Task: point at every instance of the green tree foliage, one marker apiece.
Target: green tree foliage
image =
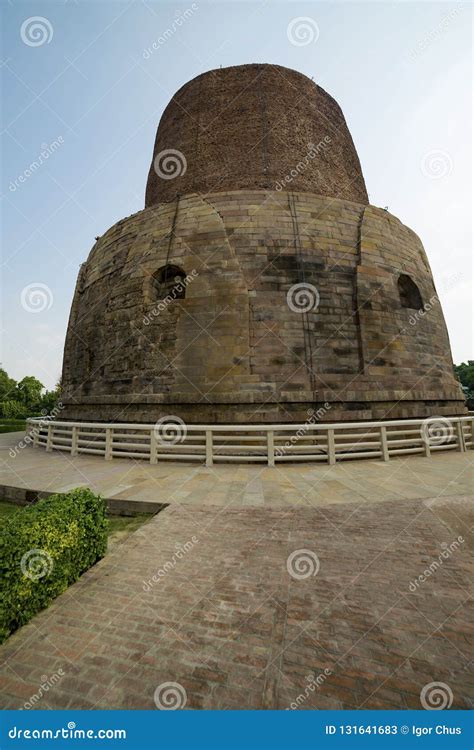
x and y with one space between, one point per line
465 374
26 398
7 386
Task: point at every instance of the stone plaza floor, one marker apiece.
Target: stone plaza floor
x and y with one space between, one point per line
293 588
249 485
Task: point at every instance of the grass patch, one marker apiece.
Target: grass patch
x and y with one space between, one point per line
119 527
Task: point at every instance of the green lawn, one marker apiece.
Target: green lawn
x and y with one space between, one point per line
119 526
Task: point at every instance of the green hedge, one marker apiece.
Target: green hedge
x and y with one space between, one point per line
43 549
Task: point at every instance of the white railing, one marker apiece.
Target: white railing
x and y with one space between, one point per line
271 444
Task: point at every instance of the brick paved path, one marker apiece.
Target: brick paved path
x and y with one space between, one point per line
235 630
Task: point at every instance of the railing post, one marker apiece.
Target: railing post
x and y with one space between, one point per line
460 436
153 451
331 448
36 432
49 439
472 434
426 441
270 448
108 443
74 441
209 457
384 443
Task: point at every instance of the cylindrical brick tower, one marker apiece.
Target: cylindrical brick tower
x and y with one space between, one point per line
257 283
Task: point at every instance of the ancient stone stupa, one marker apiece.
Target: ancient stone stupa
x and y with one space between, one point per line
258 283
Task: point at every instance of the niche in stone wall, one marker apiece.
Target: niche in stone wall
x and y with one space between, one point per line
168 281
409 293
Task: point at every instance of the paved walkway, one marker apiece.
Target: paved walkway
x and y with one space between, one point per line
447 473
233 623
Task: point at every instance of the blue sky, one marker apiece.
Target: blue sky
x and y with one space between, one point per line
90 93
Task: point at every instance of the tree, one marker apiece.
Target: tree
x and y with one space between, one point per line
7 386
465 374
50 399
29 389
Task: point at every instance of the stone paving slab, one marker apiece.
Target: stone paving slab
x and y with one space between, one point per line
232 628
286 485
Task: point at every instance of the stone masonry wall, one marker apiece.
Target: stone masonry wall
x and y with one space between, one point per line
252 126
233 349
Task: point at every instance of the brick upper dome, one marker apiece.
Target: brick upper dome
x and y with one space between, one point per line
254 126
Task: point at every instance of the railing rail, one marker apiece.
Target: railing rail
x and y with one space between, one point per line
271 444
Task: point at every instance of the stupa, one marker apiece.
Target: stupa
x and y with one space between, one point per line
257 283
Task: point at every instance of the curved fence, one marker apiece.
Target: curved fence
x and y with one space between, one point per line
172 439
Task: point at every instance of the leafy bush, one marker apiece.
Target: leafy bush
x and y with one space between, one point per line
44 548
12 410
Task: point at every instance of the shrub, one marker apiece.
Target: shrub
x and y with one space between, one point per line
44 548
13 410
